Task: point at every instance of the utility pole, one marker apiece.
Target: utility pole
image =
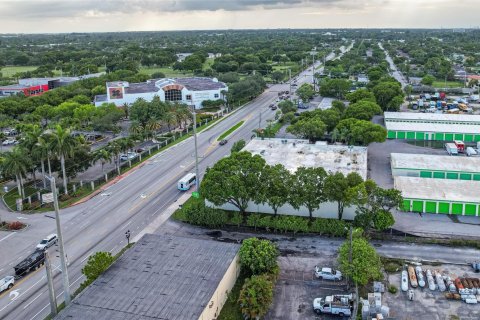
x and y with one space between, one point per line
66 282
51 290
197 179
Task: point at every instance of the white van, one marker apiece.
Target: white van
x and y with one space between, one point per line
470 152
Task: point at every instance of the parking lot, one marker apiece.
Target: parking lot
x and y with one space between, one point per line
297 287
431 305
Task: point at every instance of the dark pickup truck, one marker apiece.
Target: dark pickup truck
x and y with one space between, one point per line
30 263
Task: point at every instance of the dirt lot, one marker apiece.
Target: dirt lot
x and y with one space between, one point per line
431 305
297 287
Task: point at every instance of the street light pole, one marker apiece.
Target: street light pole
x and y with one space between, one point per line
197 179
66 282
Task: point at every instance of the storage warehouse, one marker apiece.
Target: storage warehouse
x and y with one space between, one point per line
295 153
432 126
434 166
161 277
440 195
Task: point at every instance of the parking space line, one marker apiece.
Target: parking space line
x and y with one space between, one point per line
11 234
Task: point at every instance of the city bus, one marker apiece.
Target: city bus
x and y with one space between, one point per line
187 181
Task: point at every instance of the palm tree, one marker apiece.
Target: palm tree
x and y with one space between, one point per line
29 141
169 119
63 146
115 149
102 155
16 163
45 143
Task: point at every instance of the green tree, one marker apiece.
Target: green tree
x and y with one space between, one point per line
360 94
276 183
305 92
385 92
312 129
234 180
361 132
63 146
428 80
97 264
277 76
344 190
238 146
309 186
16 163
365 266
258 256
102 155
287 106
334 88
256 297
362 110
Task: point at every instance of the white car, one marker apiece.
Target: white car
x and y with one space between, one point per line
6 283
49 241
328 274
8 142
128 156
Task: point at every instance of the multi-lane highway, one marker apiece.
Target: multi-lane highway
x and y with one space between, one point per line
130 204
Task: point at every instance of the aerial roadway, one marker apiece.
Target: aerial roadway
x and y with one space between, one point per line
132 204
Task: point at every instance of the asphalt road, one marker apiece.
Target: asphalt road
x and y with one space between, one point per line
393 69
131 204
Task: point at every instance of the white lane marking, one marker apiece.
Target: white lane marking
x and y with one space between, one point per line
22 294
112 249
36 314
32 301
126 224
86 257
15 294
22 218
11 234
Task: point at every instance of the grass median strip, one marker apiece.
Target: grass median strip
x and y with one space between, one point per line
229 131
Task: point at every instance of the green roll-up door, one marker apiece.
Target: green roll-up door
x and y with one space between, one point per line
452 175
448 136
391 134
406 205
439 136
400 135
468 137
439 175
417 206
411 135
430 207
420 136
425 174
476 177
477 138
458 136
470 209
443 207
457 208
465 176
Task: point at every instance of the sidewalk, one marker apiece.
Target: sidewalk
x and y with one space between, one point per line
437 225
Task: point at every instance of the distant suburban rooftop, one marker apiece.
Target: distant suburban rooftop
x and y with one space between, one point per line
294 153
435 162
101 98
142 87
200 84
431 116
432 127
161 277
438 189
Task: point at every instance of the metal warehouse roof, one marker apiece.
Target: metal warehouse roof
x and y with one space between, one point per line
430 116
435 162
438 189
161 277
296 153
433 127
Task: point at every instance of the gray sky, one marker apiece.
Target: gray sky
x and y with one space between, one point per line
39 16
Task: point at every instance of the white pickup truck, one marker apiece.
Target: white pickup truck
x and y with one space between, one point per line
341 305
6 283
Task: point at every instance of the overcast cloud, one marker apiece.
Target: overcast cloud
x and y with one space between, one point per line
130 15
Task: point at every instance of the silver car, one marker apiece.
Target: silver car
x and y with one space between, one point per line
328 274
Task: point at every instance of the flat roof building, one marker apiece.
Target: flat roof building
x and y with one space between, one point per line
457 197
161 277
191 91
295 153
434 166
432 126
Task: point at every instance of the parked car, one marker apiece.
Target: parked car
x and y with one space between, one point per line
273 107
128 156
328 274
49 241
6 283
8 142
223 142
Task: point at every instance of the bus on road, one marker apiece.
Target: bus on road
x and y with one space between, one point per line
186 182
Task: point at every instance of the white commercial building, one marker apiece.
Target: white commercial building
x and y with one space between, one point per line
293 154
191 91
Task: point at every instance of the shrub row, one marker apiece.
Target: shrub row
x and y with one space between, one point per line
14 225
195 212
